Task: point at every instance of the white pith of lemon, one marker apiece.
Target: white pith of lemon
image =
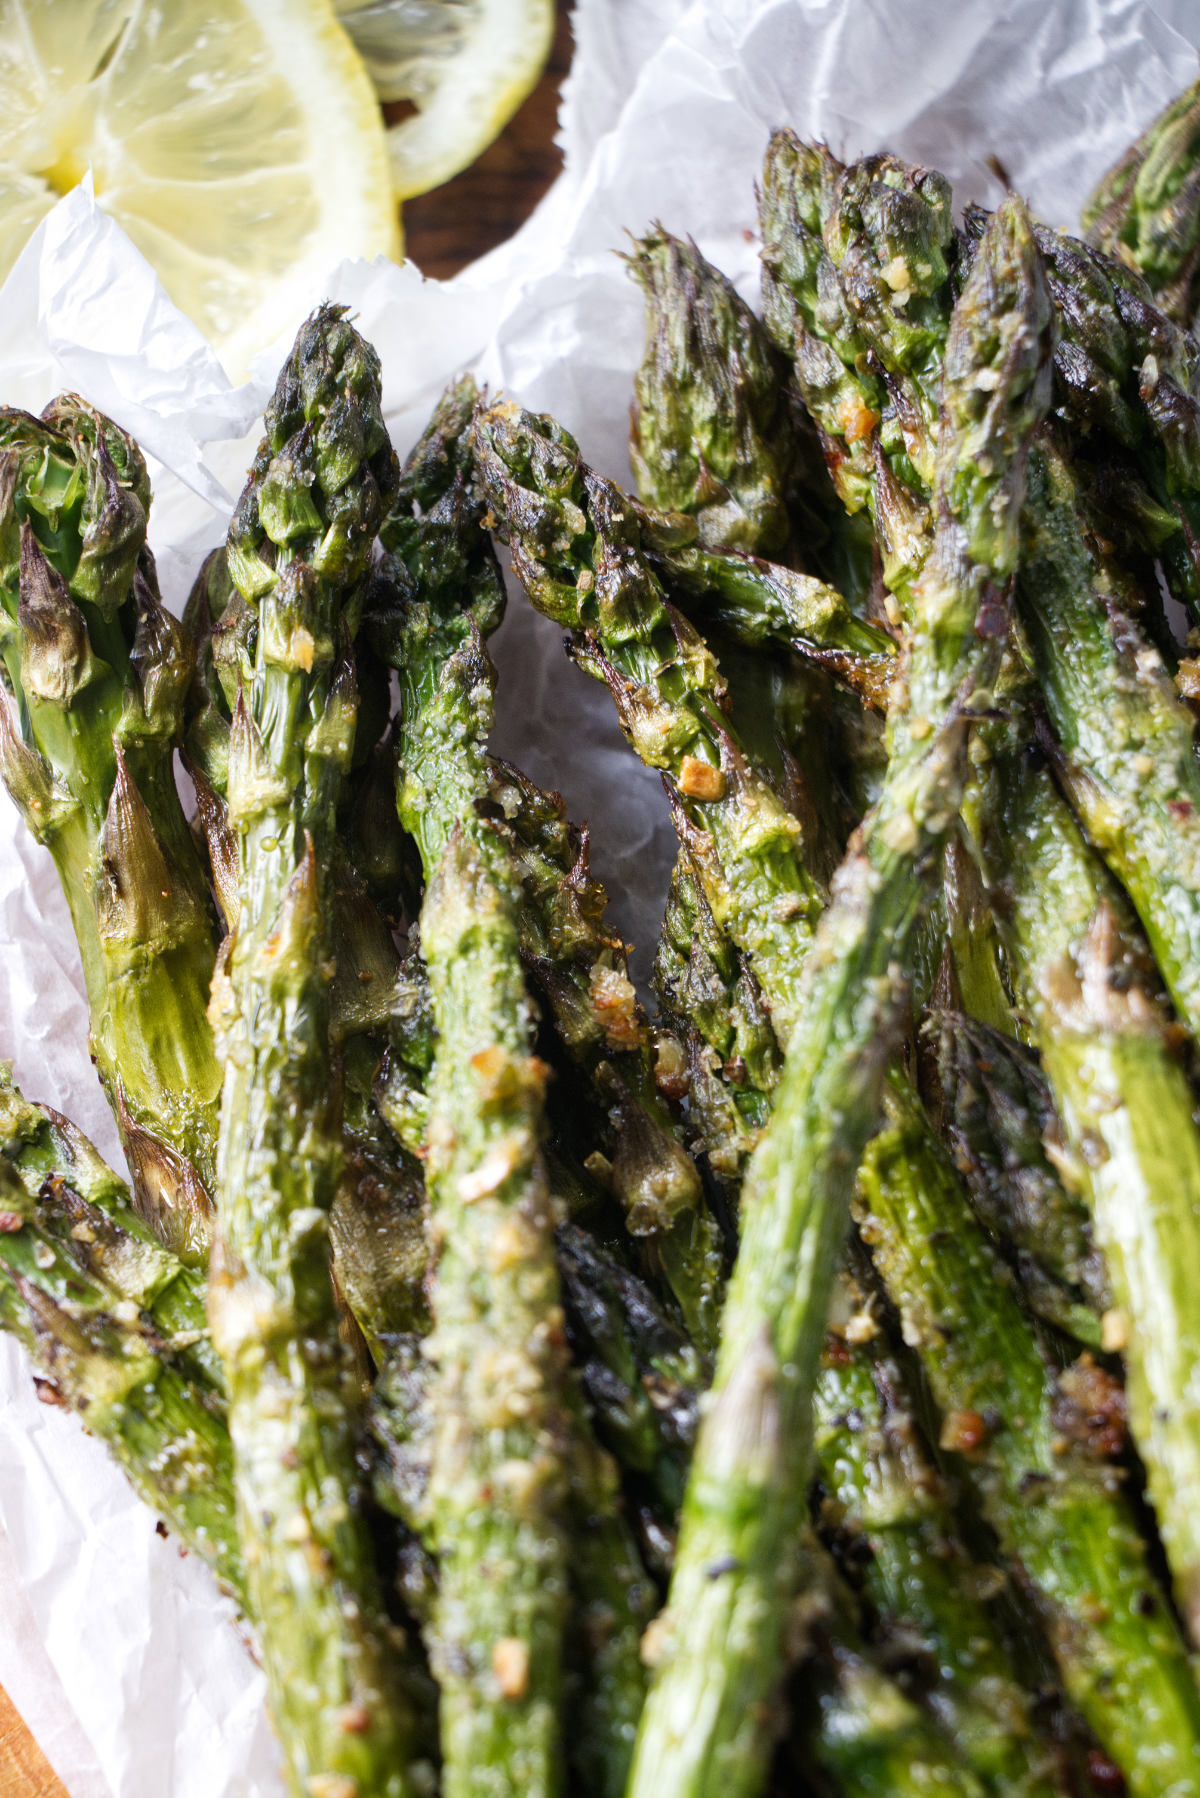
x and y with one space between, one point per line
238 142
466 65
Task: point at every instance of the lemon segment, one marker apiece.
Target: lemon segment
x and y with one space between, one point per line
237 142
466 65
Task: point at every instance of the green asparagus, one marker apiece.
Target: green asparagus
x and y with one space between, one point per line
1036 1449
756 602
740 1514
867 373
1081 979
1003 1129
298 550
1146 209
377 1222
95 670
499 1450
1123 736
883 1493
103 1230
853 1724
1124 382
711 430
638 1371
578 966
732 1056
918 1577
576 546
110 1321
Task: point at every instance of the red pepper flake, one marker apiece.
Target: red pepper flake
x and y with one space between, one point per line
963 1432
1103 1776
835 1352
1089 1408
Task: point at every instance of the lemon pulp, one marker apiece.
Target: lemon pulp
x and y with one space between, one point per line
238 142
465 65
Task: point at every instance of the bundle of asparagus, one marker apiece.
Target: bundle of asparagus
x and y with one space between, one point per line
797 1389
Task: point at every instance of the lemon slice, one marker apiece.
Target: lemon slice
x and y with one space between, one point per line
466 65
238 142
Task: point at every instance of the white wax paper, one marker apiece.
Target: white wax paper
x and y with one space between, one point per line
118 1650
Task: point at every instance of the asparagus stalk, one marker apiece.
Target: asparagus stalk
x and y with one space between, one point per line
378 1226
854 1724
973 969
732 1056
867 370
1093 628
576 547
528 522
115 1326
1080 664
377 1222
613 1603
711 431
1002 1128
704 394
717 435
578 966
1124 736
880 1484
889 231
884 1494
1146 210
1124 380
1035 1449
641 1381
1131 1146
715 443
1078 657
101 1229
896 367
499 1452
499 1424
298 549
117 1329
638 1372
110 1322
809 317
401 1083
612 1598
95 670
756 603
741 1513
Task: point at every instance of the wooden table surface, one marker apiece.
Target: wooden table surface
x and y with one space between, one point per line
24 1769
443 231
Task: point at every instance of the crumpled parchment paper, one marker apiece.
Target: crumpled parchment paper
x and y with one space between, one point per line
118 1650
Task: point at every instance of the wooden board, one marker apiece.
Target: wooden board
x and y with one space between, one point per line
444 230
482 207
24 1770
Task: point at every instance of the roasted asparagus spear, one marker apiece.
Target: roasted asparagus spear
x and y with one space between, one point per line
95 670
741 1507
1146 210
497 1493
298 547
114 1326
